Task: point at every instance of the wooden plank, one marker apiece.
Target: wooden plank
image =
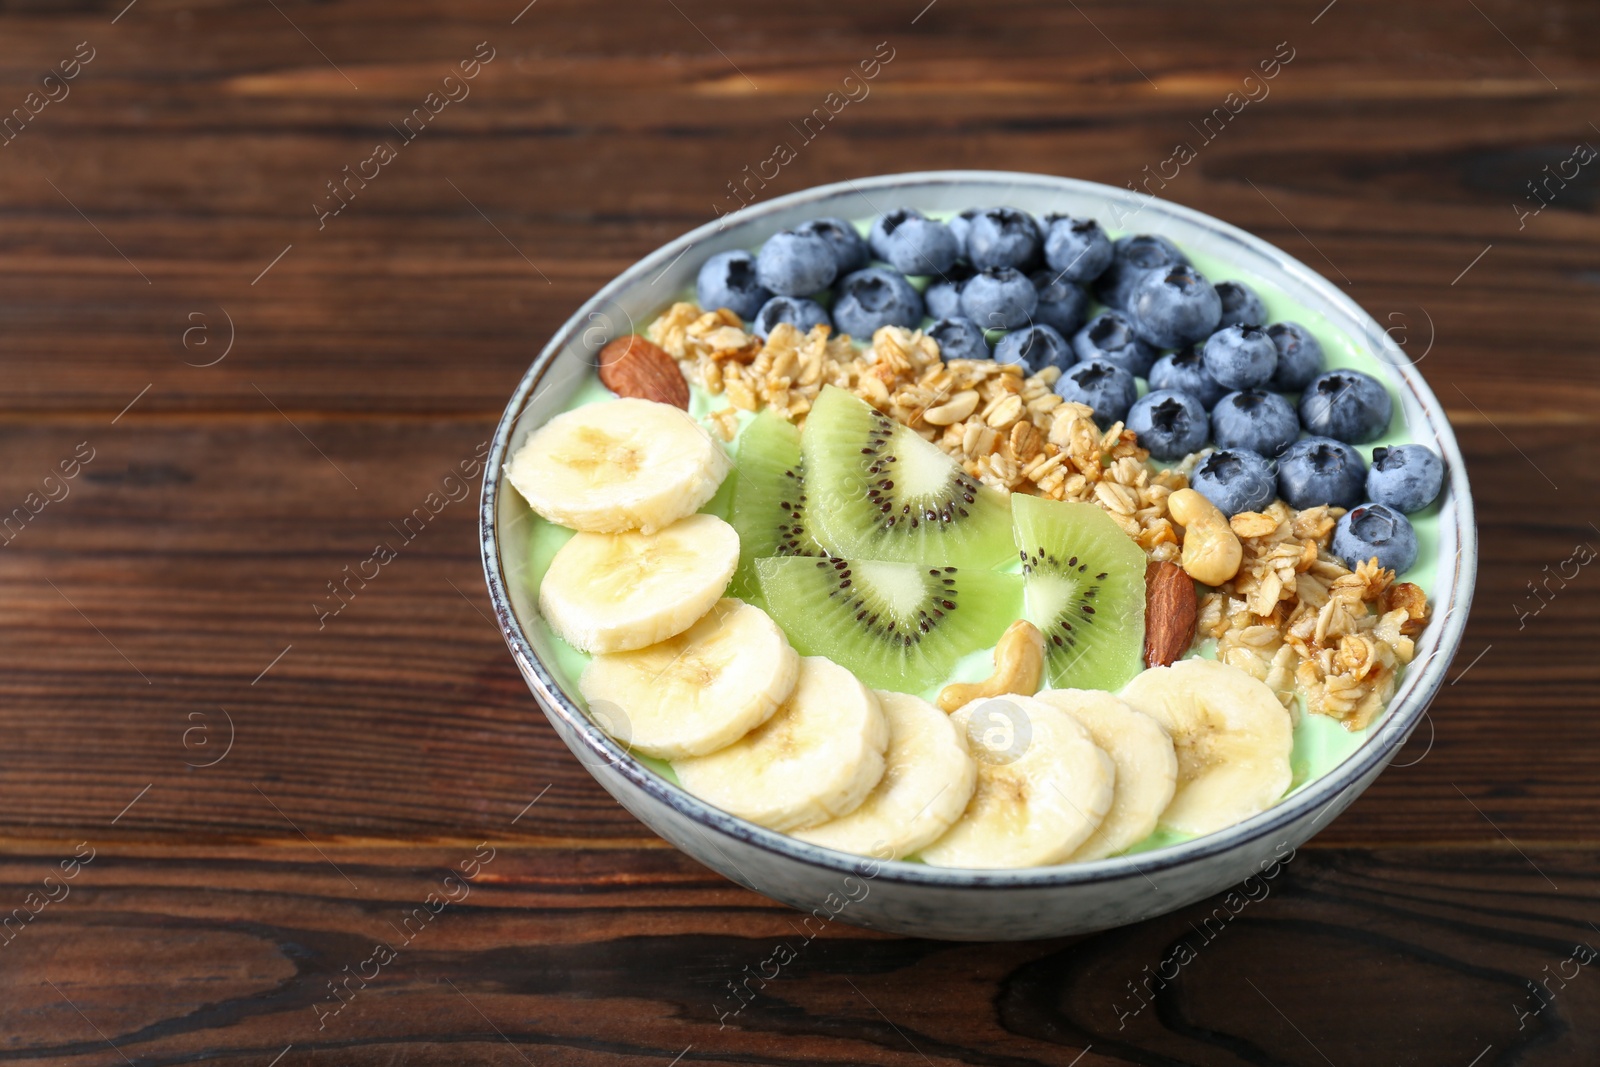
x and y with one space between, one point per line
197 552
165 603
588 956
1396 186
361 324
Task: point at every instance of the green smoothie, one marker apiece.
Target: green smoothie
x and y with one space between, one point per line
1320 743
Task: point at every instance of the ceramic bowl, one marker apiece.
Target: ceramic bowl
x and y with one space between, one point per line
911 898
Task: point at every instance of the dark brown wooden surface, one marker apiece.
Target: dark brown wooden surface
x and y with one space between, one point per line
153 605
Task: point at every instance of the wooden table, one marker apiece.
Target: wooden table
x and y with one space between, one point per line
248 389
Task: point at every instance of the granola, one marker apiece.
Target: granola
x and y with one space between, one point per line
1301 621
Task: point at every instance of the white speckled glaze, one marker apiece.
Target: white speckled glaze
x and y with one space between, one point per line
911 898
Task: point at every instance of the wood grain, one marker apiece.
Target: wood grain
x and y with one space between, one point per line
621 955
162 215
229 534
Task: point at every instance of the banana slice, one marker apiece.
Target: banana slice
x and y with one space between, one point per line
1147 767
616 592
816 759
619 465
927 780
1043 787
699 691
1232 737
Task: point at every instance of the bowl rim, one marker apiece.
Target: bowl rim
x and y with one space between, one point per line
1410 702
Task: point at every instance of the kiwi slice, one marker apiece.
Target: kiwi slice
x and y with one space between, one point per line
769 498
898 626
1084 589
875 490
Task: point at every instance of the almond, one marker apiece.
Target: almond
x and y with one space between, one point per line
633 366
1170 611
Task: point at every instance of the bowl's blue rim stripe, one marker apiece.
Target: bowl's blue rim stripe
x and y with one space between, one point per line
1408 705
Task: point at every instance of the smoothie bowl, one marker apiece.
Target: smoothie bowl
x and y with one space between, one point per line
978 555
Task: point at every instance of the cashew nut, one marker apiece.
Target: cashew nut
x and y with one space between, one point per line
1211 551
1018 667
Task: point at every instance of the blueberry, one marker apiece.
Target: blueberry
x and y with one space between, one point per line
1171 425
959 338
912 243
1132 258
797 311
875 297
796 264
1299 356
1346 405
1003 237
1184 371
1405 477
1077 250
1241 357
1000 298
850 252
1109 336
1265 423
728 280
1320 470
1235 480
1106 387
1373 530
1061 303
1034 348
1240 305
943 295
1174 307
960 226
943 299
